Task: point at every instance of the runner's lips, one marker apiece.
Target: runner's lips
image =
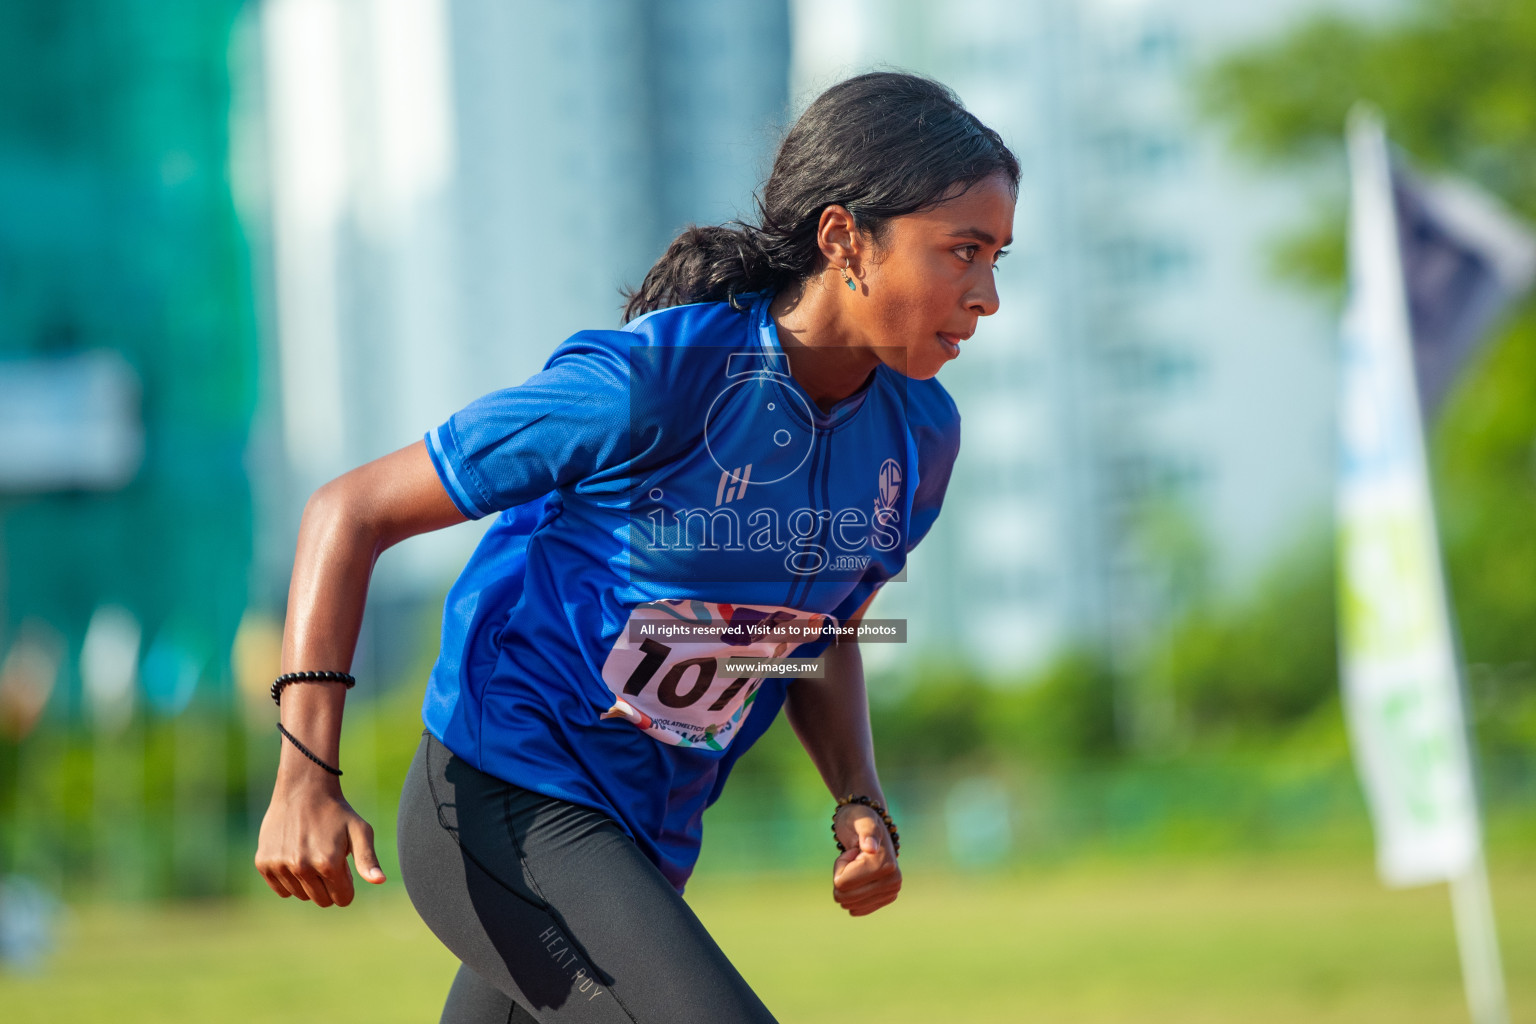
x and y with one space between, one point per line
952 342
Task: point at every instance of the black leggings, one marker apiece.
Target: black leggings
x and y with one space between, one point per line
555 913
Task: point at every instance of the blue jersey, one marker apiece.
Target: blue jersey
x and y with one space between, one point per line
667 496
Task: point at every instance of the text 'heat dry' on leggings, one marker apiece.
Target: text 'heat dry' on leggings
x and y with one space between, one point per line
554 912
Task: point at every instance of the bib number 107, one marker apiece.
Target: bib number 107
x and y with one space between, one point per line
676 690
685 682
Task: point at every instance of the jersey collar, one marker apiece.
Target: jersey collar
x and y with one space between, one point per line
767 333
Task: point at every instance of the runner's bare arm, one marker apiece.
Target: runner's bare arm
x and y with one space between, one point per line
309 828
831 718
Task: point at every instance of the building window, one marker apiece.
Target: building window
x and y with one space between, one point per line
1137 261
1152 368
1139 153
1160 45
1136 477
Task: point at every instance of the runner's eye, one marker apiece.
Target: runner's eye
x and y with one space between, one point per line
968 252
998 258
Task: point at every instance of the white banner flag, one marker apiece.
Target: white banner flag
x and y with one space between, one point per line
1398 658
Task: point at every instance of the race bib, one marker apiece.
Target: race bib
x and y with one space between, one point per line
666 669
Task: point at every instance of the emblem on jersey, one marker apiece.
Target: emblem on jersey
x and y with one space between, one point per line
890 486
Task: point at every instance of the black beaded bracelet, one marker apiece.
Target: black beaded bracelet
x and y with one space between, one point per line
308 677
306 751
864 801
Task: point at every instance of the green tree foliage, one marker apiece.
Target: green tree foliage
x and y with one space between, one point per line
1455 81
1484 464
947 718
1484 461
1063 715
1267 662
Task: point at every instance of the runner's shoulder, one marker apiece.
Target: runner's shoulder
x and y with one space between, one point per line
698 324
929 402
676 349
933 418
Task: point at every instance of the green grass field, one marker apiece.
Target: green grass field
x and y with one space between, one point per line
1253 941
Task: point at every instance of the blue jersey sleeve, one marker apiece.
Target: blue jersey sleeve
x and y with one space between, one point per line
938 444
569 422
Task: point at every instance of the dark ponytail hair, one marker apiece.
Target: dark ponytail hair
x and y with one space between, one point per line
881 145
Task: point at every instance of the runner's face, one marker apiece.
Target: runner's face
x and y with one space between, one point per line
932 279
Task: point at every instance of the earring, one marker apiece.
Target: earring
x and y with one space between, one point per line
848 280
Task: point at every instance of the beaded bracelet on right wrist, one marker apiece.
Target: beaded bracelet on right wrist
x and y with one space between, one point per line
308 677
864 801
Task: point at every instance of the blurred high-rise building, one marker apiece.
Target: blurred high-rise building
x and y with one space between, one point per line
127 356
456 186
1148 418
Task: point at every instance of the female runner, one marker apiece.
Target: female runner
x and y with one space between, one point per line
735 473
